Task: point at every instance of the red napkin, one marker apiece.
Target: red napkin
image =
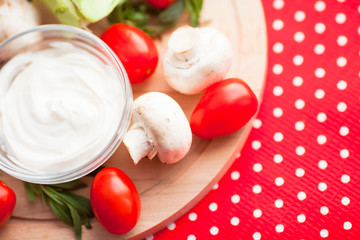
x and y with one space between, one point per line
298 175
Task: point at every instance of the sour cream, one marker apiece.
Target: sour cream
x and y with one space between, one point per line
59 107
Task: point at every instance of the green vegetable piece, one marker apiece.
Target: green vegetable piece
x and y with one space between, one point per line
65 11
94 10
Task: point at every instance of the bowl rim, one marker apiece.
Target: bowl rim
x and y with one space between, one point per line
124 122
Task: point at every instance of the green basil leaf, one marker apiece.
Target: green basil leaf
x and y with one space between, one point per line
172 13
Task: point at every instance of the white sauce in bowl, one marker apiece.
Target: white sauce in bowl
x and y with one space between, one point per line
59 107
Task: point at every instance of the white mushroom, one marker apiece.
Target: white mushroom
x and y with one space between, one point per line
159 127
196 58
16 16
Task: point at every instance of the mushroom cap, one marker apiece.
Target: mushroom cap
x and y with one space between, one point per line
165 124
16 16
196 58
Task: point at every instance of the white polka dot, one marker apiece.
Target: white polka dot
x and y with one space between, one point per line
279 181
300 150
345 178
347 225
342 40
234 221
257 213
151 237
301 218
324 210
277 69
278 137
319 49
279 228
344 153
278 47
345 201
278 4
321 139
238 155
299 37
322 164
301 196
358 30
341 85
340 18
341 1
277 112
297 81
257 167
299 172
322 186
299 16
235 175
235 198
279 203
171 226
344 131
214 230
321 117
256 189
320 28
299 104
320 6
341 107
191 237
298 60
216 186
299 125
278 25
319 94
256 236
192 216
256 144
320 72
257 123
341 61
324 233
278 91
278 158
213 207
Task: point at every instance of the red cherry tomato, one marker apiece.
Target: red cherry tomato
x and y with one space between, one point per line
115 200
225 107
7 203
161 3
134 48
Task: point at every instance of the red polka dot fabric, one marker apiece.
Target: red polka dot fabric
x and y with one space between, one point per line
298 174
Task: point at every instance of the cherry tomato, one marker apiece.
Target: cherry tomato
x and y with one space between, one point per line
225 107
161 3
134 48
115 200
7 202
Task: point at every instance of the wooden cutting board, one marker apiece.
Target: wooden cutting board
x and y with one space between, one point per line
167 191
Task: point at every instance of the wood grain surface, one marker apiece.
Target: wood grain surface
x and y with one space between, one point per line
167 191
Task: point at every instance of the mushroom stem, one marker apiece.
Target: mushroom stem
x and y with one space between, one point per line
138 143
186 45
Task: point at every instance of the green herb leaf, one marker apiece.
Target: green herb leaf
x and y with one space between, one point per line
72 209
30 193
77 222
73 185
152 20
193 8
62 212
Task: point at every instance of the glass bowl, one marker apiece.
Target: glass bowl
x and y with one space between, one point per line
41 38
